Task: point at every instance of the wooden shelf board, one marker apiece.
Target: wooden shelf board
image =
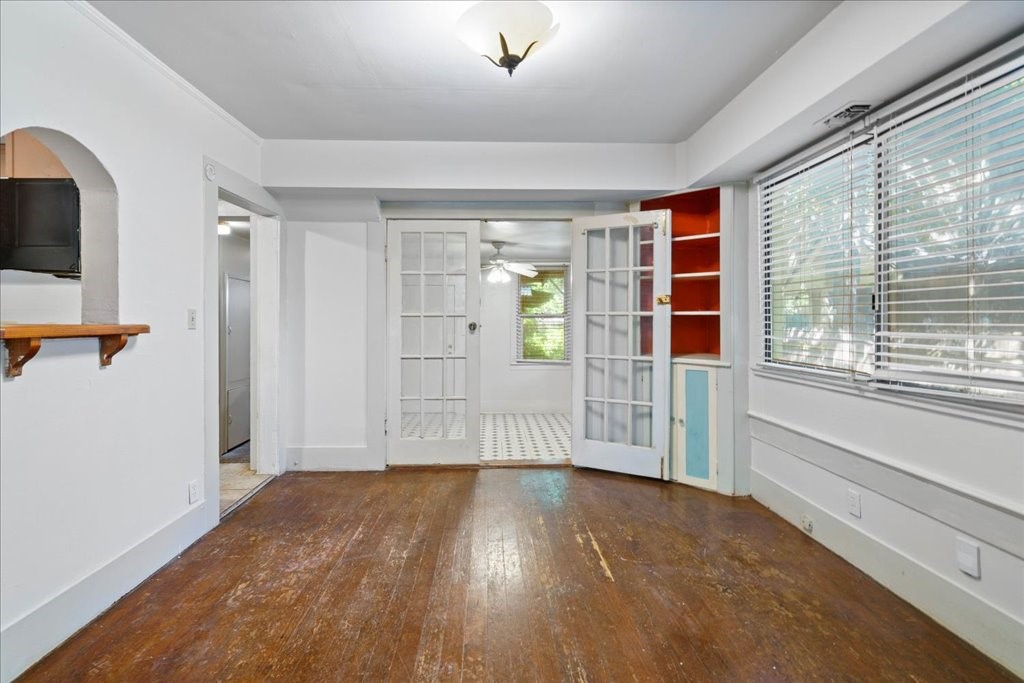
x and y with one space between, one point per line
709 275
688 238
24 341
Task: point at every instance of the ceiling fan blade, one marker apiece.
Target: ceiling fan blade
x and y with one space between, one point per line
522 268
488 267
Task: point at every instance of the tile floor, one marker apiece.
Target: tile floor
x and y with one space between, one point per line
524 436
431 426
237 481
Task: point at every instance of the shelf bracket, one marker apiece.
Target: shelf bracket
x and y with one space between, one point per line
19 352
110 344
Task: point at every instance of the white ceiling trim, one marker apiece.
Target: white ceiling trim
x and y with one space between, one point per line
635 169
116 32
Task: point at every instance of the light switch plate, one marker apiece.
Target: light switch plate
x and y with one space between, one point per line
968 556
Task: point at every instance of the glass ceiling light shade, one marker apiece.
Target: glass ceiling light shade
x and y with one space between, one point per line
506 32
498 275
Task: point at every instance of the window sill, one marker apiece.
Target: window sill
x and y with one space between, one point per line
540 364
1008 416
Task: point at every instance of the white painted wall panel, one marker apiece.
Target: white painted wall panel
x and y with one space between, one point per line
468 165
334 348
39 298
107 465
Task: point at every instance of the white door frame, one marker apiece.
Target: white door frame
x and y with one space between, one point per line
265 275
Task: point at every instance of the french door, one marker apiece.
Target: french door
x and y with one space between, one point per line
620 356
433 342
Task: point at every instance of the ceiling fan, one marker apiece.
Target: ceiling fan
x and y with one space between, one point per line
500 267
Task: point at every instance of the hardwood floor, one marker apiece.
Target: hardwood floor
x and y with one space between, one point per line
514 574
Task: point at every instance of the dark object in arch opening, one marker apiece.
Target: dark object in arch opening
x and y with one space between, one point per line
40 226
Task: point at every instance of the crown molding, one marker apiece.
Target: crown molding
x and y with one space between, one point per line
116 32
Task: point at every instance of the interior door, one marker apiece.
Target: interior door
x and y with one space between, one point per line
237 360
433 342
620 359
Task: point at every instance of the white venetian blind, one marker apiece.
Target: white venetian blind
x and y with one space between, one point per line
817 262
543 315
951 241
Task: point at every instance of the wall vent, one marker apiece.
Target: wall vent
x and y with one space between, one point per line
848 113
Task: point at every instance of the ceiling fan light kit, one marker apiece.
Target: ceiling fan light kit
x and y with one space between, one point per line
506 32
501 268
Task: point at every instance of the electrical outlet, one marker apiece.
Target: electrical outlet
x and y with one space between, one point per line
968 556
853 502
193 492
193 319
807 524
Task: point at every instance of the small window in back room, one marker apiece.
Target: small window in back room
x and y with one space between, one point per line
542 317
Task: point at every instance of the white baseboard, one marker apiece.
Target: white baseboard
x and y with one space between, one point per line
989 629
335 458
26 640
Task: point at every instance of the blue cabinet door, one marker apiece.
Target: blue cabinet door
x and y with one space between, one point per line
698 446
695 438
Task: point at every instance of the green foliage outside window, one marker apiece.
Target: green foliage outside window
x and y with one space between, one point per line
543 316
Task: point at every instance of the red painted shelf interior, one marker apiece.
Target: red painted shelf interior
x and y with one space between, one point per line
694 214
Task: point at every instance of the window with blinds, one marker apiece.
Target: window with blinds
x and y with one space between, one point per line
951 210
898 257
818 262
543 316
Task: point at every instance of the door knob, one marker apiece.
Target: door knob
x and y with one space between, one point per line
472 327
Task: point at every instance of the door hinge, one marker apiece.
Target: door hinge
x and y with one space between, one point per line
385 253
385 426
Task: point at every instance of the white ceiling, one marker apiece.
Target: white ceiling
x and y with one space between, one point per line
540 241
617 71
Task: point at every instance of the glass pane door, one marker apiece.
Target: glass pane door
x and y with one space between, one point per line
434 277
619 374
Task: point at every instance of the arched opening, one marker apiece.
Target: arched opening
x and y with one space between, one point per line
31 292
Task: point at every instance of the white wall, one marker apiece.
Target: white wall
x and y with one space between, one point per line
331 421
233 256
506 387
93 493
39 298
925 477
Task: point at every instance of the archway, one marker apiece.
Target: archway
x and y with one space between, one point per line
99 224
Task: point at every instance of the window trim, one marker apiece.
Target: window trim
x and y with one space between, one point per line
939 93
524 363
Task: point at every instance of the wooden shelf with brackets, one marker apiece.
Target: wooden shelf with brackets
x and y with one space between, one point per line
24 341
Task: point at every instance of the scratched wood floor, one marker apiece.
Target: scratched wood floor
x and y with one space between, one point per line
508 574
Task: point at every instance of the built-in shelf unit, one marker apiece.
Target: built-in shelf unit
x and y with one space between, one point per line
696 272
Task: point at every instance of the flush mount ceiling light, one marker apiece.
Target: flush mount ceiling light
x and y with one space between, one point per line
506 32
